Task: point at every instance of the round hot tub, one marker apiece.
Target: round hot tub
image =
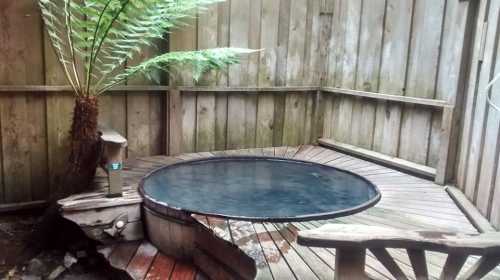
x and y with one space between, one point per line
246 188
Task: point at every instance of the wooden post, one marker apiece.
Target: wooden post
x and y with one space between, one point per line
114 166
350 264
442 170
113 148
174 134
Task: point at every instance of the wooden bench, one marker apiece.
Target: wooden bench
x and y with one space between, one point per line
352 241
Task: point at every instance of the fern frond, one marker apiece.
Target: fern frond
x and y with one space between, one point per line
200 62
100 38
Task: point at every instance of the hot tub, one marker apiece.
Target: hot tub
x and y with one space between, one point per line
260 189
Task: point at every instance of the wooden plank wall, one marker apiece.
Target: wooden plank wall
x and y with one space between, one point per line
478 168
411 48
289 34
387 46
34 126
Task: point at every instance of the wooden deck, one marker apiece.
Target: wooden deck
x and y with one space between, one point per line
141 260
408 202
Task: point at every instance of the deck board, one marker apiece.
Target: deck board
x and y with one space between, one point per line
408 202
141 260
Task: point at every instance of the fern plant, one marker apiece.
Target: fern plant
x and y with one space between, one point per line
96 42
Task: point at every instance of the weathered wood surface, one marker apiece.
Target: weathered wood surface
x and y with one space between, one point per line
353 240
363 236
478 170
360 48
393 48
379 157
113 150
141 261
408 203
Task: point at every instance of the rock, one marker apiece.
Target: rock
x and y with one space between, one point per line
36 267
56 272
69 260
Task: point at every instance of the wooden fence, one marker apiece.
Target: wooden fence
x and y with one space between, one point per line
400 48
388 69
478 168
246 119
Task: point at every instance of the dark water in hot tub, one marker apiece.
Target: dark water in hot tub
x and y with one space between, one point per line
259 188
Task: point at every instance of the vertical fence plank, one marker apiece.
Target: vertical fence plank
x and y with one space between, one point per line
392 74
16 148
347 78
138 124
267 71
470 96
185 39
490 147
238 75
296 43
328 100
37 111
205 122
334 68
189 121
222 78
250 121
294 103
283 39
435 138
269 43
312 60
175 133
422 70
310 117
221 120
251 101
281 65
37 136
370 48
336 44
205 105
294 124
458 39
265 120
156 124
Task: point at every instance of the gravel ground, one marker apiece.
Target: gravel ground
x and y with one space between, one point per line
21 259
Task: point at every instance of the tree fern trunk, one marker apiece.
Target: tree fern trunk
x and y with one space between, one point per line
84 152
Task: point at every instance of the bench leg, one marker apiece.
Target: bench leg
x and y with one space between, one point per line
350 264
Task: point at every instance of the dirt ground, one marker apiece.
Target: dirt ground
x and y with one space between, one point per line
65 258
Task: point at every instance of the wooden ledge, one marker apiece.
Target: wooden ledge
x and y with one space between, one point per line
470 211
390 97
379 157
